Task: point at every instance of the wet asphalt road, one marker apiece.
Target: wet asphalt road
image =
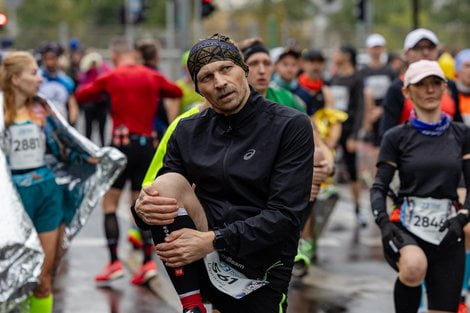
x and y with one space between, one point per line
349 276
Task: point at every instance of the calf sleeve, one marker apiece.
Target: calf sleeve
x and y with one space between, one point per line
186 278
111 229
407 299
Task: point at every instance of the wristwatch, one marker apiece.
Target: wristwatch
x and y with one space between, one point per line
219 242
465 213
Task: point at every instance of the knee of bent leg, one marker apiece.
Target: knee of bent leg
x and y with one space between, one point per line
172 185
412 265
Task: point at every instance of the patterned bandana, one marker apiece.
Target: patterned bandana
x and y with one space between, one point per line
215 48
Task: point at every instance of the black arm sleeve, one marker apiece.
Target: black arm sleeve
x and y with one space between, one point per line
388 155
392 105
288 200
379 190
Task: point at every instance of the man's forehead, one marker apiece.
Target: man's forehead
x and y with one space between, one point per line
213 66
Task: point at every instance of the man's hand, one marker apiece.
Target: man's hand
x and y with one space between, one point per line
320 172
314 190
155 210
185 246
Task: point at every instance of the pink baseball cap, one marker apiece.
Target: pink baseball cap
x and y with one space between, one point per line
419 70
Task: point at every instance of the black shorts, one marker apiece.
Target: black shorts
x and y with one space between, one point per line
265 299
445 272
139 153
348 157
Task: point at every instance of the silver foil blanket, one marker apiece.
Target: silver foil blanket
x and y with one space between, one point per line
83 184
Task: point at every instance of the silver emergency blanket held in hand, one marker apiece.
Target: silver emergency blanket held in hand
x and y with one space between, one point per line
83 184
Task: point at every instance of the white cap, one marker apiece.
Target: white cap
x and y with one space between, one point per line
416 35
275 53
90 59
375 40
419 70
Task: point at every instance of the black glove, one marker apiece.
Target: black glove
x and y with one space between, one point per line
392 236
455 232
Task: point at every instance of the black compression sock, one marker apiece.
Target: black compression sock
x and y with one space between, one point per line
148 245
407 299
186 278
111 229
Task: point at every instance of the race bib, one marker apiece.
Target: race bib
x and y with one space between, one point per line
424 216
229 280
27 147
378 85
341 95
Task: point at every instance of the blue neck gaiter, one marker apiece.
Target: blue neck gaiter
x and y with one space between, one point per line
430 129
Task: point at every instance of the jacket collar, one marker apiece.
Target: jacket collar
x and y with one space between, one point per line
237 120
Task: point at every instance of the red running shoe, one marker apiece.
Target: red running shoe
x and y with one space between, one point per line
146 272
462 308
110 272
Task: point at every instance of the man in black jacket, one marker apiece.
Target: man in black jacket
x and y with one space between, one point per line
250 160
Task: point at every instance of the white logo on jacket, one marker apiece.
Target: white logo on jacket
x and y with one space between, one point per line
249 154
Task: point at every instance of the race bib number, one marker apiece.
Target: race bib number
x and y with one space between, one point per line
424 216
341 95
228 280
378 85
27 147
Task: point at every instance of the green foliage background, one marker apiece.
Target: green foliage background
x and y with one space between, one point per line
95 20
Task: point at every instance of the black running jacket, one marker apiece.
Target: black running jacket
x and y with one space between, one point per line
253 174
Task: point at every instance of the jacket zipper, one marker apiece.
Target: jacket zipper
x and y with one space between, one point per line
227 148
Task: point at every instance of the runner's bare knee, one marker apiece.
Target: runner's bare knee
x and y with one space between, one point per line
412 265
174 185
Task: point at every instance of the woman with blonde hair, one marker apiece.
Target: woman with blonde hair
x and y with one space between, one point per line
28 140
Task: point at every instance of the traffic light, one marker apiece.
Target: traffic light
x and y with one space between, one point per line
361 10
207 8
3 19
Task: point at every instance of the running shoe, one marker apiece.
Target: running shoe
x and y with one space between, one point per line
361 220
146 272
135 237
110 272
303 259
462 308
